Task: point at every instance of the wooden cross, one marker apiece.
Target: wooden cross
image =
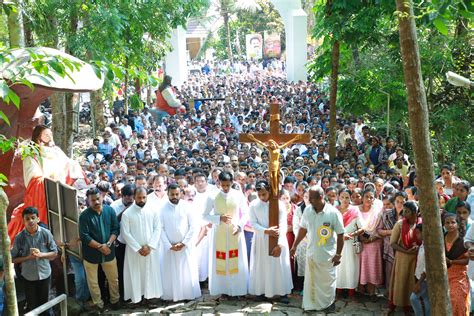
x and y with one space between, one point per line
274 142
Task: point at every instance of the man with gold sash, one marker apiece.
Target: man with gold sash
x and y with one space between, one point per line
323 225
228 212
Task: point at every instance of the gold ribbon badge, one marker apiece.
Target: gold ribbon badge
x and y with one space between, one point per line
324 232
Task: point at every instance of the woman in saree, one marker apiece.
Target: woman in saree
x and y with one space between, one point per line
405 244
456 261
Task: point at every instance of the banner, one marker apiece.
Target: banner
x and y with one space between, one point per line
254 45
272 45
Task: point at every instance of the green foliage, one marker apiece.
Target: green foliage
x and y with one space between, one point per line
245 22
370 63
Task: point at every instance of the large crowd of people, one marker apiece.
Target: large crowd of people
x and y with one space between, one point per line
175 203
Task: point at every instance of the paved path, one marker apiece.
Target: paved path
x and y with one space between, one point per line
209 305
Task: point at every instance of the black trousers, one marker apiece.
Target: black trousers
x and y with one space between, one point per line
37 293
120 256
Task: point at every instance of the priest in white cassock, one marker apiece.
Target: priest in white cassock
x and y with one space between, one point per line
141 228
202 240
269 275
179 271
158 197
323 225
228 213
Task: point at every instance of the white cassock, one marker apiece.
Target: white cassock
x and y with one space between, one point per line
234 284
141 275
202 249
155 202
179 269
269 276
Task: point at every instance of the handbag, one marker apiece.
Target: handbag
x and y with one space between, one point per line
356 244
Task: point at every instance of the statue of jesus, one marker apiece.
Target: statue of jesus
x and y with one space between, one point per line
274 153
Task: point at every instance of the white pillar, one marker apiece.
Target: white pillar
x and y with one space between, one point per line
175 61
296 24
296 47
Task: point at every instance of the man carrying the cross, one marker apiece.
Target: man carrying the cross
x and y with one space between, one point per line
269 275
228 212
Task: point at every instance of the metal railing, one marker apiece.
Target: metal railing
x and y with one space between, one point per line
61 299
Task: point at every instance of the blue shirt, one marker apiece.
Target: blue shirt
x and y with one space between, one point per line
34 269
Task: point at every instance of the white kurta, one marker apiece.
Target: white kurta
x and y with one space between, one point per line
154 202
269 276
179 270
320 273
141 275
229 284
348 270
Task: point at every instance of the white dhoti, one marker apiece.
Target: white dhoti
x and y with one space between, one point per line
319 285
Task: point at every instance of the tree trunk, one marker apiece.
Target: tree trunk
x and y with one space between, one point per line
28 32
125 88
71 100
333 99
97 104
227 29
58 109
436 272
15 27
148 95
62 125
62 106
10 293
355 56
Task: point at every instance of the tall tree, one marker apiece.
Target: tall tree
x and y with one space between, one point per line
15 25
226 9
333 99
12 306
436 272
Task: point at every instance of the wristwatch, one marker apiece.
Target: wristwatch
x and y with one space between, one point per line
108 244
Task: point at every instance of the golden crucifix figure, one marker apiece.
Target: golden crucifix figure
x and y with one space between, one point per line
274 155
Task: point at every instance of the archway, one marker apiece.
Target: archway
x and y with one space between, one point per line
296 24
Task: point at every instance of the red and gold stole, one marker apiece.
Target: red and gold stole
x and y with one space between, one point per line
227 245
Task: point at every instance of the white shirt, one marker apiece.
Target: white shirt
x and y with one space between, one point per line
327 223
420 262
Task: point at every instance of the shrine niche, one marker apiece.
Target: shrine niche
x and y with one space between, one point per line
27 116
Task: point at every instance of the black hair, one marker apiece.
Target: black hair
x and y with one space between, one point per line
400 193
412 206
92 191
139 189
30 210
364 192
173 186
461 223
262 184
128 189
465 205
226 176
289 179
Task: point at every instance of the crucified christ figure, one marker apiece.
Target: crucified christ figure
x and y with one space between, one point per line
274 152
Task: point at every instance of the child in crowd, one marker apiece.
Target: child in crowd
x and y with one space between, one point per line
420 292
